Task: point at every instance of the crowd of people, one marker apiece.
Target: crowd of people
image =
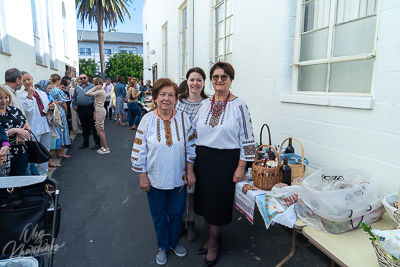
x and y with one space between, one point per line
198 141
50 109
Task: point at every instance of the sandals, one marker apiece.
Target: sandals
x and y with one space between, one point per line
123 124
102 151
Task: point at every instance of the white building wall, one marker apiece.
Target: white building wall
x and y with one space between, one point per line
21 41
263 48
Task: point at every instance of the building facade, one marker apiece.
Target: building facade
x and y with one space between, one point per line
41 39
326 72
114 42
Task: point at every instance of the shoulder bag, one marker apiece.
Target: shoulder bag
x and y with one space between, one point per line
37 153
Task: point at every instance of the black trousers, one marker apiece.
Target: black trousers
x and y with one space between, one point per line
106 104
85 114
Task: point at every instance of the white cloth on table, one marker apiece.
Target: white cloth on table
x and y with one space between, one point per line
38 123
245 198
226 131
162 155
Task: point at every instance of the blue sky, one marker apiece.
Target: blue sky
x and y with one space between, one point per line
134 25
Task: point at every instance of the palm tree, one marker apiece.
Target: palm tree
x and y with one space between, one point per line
102 11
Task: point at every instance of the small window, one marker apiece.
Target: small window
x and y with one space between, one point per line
107 52
184 43
85 51
65 30
50 34
3 33
336 44
223 30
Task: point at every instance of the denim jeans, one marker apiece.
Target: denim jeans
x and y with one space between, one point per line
133 108
19 164
166 209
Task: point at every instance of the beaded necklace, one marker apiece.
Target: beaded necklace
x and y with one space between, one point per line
217 111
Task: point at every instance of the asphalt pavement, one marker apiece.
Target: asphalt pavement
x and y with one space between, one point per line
105 219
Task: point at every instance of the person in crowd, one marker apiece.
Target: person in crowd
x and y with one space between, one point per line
83 104
224 144
12 119
68 73
100 96
161 133
46 86
133 108
120 97
36 105
137 86
5 147
13 83
107 87
64 86
183 87
76 124
60 100
146 90
112 99
189 102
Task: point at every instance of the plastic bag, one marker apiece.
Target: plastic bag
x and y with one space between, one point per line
337 200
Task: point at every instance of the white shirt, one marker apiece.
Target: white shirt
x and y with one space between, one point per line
15 101
38 123
231 129
108 89
161 157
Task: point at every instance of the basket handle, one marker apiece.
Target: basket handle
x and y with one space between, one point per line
270 147
269 134
301 146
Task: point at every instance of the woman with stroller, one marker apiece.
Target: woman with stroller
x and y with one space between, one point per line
15 122
158 155
189 102
99 98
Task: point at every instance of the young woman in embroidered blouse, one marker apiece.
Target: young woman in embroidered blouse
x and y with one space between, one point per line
158 156
99 98
224 143
189 102
15 123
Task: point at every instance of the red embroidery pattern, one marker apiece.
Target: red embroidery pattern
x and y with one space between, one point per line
168 134
177 131
158 130
138 141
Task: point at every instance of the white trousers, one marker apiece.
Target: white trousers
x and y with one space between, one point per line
44 139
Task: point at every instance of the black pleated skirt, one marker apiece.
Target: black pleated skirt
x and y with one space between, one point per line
215 189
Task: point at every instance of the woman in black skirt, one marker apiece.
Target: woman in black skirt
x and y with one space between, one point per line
224 143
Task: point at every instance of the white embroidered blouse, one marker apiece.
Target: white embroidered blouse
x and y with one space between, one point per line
158 149
225 130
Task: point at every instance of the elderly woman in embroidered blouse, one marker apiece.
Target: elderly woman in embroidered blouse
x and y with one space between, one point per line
189 102
224 143
158 155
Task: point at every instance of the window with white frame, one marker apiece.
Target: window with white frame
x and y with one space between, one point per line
50 34
184 43
37 34
128 49
3 33
223 31
107 52
85 51
165 47
336 45
65 30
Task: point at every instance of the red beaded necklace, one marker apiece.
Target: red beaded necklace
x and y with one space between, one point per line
218 110
162 117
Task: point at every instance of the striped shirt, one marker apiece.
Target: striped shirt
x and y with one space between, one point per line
190 108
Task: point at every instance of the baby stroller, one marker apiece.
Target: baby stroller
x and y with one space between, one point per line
29 220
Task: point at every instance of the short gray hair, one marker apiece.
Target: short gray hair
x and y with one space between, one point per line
12 75
25 72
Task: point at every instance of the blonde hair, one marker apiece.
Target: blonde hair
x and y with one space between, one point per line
3 89
55 77
97 81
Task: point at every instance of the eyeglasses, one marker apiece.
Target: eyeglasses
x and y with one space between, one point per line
82 78
223 77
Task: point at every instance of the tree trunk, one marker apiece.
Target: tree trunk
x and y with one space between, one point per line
100 18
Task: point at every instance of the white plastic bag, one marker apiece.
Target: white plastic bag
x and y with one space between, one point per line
337 200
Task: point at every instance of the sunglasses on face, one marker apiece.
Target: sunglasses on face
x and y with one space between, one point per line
223 77
82 78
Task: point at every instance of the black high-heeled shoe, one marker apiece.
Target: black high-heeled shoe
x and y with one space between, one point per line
202 250
208 263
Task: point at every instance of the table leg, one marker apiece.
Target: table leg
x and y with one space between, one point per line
294 249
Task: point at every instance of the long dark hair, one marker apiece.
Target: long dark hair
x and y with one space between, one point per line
203 74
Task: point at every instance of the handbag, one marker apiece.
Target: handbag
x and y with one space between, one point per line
37 153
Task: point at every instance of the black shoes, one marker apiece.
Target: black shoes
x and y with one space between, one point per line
208 263
83 146
202 250
96 146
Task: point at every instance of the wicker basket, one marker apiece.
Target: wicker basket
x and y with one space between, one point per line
396 219
265 178
298 170
381 256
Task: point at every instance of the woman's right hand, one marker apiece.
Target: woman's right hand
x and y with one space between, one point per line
144 182
23 133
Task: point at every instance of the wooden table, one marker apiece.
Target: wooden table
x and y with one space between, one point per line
352 248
